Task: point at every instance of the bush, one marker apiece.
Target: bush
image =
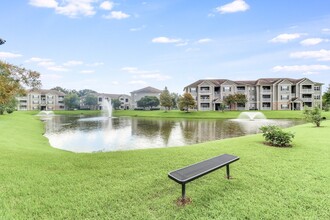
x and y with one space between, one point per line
313 115
274 136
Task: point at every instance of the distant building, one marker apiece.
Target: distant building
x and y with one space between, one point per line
261 94
147 91
125 100
41 99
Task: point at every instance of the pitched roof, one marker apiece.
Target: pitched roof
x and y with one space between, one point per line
46 91
148 89
112 96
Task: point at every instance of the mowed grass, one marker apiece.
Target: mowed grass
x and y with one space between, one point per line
210 114
40 182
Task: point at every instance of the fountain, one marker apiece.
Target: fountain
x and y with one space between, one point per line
251 115
107 107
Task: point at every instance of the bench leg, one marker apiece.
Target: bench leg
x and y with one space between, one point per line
227 171
183 191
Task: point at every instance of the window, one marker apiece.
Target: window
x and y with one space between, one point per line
285 88
284 106
317 88
35 96
100 99
226 88
284 97
192 89
126 100
205 105
318 97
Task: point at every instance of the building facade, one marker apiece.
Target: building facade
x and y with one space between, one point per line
147 91
41 99
125 100
261 94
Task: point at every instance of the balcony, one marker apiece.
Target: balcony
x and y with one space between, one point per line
266 99
307 91
205 91
204 100
205 109
307 99
267 91
241 91
265 108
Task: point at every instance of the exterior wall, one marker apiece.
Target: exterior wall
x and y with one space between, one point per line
279 95
136 96
125 100
40 101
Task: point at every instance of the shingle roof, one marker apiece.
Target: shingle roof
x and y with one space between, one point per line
46 91
112 96
148 89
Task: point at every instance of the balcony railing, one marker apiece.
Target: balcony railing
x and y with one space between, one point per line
205 91
205 108
268 91
307 99
241 91
307 91
265 108
266 99
204 100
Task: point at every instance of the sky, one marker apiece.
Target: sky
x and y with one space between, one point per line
123 45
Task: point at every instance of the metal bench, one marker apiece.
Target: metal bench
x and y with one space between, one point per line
192 172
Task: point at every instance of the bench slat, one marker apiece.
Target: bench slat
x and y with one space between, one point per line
189 173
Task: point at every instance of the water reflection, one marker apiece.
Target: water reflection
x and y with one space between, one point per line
84 134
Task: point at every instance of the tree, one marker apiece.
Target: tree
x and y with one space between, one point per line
148 102
186 102
313 115
85 92
115 103
90 100
12 80
326 98
166 99
233 100
71 101
60 89
175 98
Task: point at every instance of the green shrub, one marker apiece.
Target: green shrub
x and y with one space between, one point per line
275 136
313 115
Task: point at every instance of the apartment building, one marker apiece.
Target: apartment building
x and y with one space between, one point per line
261 94
41 99
147 91
125 100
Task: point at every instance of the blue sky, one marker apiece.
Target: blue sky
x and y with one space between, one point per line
123 45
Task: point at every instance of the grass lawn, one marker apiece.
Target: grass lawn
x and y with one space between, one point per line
210 114
40 182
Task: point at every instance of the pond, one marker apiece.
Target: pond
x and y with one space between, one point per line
102 134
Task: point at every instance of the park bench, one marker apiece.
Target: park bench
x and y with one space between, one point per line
192 172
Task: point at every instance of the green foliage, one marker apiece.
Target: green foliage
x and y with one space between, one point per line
85 92
166 99
186 102
313 115
115 103
71 101
275 136
326 99
9 107
234 99
13 79
175 99
60 89
90 100
148 102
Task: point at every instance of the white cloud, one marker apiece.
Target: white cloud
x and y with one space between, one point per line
235 6
4 55
300 68
138 28
116 15
87 71
46 63
310 73
44 3
312 41
166 40
70 8
284 38
50 77
191 49
145 74
204 40
73 63
114 82
107 5
320 55
326 29
37 59
137 82
57 68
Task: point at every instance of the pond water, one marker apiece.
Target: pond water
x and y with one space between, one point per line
101 134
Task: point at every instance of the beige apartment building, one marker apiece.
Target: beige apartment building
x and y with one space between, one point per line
41 99
261 94
125 100
147 91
